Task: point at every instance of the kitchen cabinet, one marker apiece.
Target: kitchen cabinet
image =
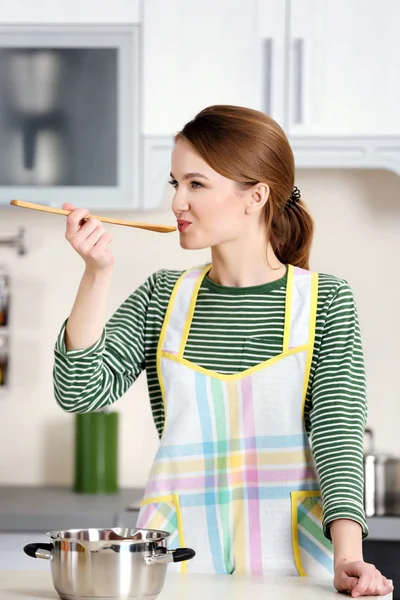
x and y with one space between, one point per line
344 61
26 12
69 115
102 99
326 70
385 555
225 52
319 67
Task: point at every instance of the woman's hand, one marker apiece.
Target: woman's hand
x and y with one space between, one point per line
89 239
360 579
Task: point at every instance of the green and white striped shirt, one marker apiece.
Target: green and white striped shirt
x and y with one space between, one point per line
232 330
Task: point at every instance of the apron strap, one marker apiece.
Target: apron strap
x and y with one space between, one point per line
301 308
179 315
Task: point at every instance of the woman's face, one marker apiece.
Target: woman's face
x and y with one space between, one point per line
210 208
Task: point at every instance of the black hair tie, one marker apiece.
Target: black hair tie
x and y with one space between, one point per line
294 198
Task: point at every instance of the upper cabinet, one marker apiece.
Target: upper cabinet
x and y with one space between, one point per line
91 92
319 67
326 70
344 58
69 115
224 52
64 12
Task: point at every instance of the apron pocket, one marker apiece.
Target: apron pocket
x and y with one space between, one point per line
159 513
313 552
164 514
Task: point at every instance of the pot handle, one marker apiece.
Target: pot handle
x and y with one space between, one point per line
39 551
181 554
162 555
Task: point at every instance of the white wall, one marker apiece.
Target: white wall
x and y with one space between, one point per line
357 237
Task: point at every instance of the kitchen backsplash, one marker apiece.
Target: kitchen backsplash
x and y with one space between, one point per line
357 237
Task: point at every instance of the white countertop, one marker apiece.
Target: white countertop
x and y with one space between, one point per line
37 585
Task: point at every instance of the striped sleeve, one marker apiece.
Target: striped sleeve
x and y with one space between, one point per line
93 378
338 412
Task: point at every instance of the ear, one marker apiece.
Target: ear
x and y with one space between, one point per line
258 197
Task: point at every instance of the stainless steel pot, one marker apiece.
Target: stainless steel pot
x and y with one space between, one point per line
108 563
381 481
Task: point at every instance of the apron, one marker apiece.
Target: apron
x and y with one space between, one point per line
234 477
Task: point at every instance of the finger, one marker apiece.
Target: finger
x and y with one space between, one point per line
348 583
387 581
378 585
363 584
74 221
387 586
101 246
84 232
353 583
91 240
68 206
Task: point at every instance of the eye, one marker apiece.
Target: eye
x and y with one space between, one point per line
196 184
173 182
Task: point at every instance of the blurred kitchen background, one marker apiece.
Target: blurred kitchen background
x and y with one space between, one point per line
91 94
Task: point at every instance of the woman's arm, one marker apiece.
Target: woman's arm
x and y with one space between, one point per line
338 411
352 574
347 541
86 321
91 378
337 419
95 365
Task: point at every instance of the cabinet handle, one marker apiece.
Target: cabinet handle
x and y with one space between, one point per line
298 64
267 75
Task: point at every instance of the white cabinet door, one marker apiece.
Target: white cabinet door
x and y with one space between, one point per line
30 12
69 116
268 71
344 67
213 52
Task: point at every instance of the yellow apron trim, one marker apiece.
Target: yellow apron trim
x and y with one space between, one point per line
241 374
173 498
311 336
288 308
192 306
295 497
163 333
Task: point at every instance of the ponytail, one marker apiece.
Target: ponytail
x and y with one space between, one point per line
290 232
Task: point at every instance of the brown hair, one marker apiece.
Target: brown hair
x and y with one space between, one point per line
247 146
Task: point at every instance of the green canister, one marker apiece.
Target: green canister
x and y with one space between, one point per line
96 453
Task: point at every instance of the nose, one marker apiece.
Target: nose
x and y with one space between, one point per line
179 202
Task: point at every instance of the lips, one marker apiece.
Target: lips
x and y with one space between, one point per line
183 225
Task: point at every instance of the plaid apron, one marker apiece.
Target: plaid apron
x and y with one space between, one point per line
234 477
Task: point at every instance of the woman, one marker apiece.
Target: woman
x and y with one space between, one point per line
250 360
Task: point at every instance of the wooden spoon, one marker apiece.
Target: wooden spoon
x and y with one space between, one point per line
60 211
